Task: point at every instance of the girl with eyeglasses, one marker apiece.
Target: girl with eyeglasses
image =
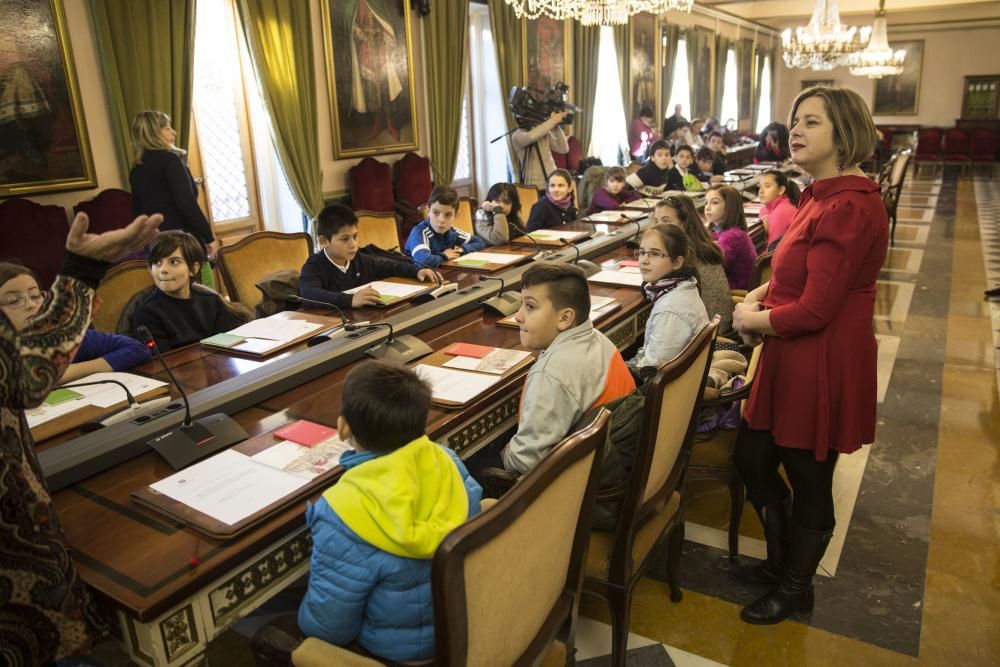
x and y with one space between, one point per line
670 282
20 300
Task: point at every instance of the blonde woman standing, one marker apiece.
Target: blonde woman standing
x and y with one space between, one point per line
162 183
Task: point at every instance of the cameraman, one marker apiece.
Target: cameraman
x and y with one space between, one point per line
536 146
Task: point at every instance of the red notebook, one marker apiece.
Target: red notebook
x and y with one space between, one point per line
305 433
629 262
469 350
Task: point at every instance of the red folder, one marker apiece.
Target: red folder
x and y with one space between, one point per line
305 433
469 350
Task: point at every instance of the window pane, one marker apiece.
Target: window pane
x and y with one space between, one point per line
462 163
216 77
608 136
730 92
680 89
764 115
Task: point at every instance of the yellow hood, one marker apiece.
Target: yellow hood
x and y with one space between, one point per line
404 502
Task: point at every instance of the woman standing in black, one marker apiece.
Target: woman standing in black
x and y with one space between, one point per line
162 183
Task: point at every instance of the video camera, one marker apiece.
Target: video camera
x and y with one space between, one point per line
533 107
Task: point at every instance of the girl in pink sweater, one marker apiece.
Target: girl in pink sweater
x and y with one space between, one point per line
724 215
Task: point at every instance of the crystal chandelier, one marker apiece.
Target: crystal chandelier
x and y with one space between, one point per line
824 43
595 12
878 59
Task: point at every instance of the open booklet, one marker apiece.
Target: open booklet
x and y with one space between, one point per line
65 400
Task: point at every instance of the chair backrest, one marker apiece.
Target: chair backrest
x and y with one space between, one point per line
481 616
673 400
371 186
463 217
633 167
758 235
574 155
35 236
379 229
244 263
109 210
527 195
120 284
412 182
560 160
929 141
751 371
902 160
955 142
984 143
761 271
592 179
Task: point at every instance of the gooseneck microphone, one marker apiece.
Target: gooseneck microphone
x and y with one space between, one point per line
539 253
401 349
504 303
589 268
128 395
347 324
193 440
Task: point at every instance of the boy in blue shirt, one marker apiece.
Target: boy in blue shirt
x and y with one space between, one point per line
436 239
376 530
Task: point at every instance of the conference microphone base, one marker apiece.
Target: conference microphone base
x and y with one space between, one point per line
504 304
402 349
187 444
436 293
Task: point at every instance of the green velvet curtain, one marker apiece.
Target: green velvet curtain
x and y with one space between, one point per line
698 108
506 30
279 35
673 34
586 45
146 50
721 54
759 55
447 54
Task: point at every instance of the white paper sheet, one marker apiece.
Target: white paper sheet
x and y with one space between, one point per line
598 304
497 362
386 288
492 257
106 395
308 462
456 386
257 345
645 202
617 278
612 216
229 486
274 328
46 413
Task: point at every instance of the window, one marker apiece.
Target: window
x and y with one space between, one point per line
488 104
608 138
680 88
730 91
764 112
463 161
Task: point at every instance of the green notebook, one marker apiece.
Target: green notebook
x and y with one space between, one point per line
61 396
223 340
473 262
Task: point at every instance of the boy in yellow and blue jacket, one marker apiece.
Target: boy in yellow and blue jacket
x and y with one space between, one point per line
376 530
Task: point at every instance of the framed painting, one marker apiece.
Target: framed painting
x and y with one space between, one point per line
900 95
643 58
545 53
44 145
704 72
370 76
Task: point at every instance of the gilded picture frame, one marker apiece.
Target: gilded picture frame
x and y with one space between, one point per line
644 57
44 145
544 42
900 95
370 77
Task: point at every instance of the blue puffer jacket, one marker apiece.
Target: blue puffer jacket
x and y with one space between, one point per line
374 534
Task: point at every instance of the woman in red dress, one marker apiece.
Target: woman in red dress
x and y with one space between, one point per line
814 396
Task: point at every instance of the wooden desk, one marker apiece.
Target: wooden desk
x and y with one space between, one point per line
175 589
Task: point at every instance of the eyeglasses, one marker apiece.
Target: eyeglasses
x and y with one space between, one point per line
653 254
21 300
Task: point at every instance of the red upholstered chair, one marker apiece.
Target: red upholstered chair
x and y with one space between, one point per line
371 186
412 183
955 148
574 155
35 236
928 149
887 135
560 160
983 145
111 209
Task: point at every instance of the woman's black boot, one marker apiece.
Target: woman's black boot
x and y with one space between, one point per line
794 592
775 519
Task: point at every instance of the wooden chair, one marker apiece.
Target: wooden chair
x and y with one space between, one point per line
379 229
464 215
928 150
984 148
412 184
121 283
483 617
371 186
760 273
244 263
712 455
527 195
651 511
34 235
955 149
894 190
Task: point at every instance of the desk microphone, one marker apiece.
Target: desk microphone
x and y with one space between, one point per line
589 268
539 254
504 303
401 349
630 243
193 440
346 323
442 288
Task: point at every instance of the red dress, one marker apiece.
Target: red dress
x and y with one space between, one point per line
816 384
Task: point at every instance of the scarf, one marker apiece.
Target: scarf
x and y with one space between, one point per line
665 285
563 203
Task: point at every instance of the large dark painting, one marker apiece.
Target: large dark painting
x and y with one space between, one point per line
643 64
43 135
369 73
900 95
544 51
704 66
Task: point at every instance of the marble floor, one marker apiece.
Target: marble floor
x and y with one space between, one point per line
913 574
